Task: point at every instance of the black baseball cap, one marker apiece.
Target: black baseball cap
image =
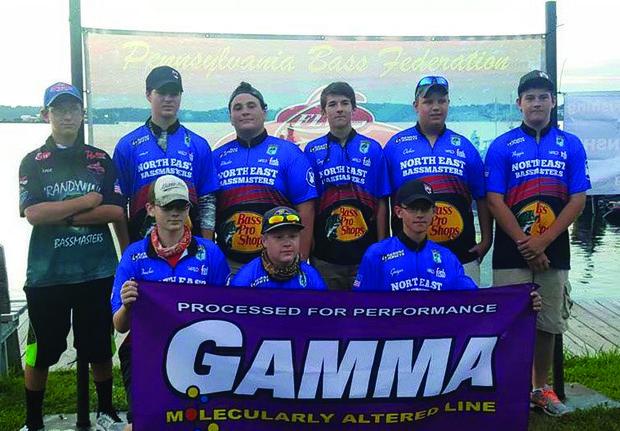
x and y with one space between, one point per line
163 75
414 190
535 79
279 217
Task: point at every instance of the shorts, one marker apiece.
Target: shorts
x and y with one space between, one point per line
52 309
337 277
554 290
124 355
472 270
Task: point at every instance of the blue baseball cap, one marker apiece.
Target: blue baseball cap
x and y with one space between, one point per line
56 90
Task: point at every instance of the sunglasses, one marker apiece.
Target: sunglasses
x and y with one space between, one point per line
280 218
432 80
176 205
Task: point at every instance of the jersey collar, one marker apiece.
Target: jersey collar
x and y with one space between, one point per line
333 138
419 129
529 131
254 141
411 244
157 130
50 144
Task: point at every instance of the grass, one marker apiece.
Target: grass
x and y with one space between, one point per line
60 396
600 372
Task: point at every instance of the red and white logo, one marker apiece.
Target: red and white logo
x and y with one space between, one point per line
42 155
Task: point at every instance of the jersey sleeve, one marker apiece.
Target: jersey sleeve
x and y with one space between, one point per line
299 178
111 190
124 272
383 187
475 174
391 170
578 175
204 168
30 187
315 169
219 270
123 169
368 273
495 171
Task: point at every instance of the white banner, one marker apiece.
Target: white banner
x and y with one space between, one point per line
595 118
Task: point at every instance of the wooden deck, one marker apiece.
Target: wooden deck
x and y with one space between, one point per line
594 326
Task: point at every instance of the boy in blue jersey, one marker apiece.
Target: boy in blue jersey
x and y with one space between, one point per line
536 182
352 183
256 173
432 153
409 261
169 254
279 265
162 146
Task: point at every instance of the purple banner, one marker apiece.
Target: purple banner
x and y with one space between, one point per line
216 359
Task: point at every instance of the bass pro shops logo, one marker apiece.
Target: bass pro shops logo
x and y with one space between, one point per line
305 122
535 218
242 232
345 223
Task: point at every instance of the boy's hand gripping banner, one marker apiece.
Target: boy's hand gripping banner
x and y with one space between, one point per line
218 359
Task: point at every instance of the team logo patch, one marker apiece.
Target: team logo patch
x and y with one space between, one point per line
428 188
364 147
201 253
242 232
90 155
272 150
456 141
447 223
345 223
535 218
303 280
310 177
436 256
559 140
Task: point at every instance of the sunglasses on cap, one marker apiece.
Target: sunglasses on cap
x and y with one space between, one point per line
280 218
175 205
432 80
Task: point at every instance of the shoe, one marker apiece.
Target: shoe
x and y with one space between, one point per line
109 422
546 400
27 428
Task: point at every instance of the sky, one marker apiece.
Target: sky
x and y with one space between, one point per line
35 33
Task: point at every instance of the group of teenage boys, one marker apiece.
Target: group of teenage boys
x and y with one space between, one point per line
271 207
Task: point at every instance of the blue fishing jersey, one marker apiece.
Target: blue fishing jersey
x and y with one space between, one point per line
253 274
399 264
454 170
255 177
201 263
140 161
537 180
350 181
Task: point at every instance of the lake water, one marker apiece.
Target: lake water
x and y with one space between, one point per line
595 246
